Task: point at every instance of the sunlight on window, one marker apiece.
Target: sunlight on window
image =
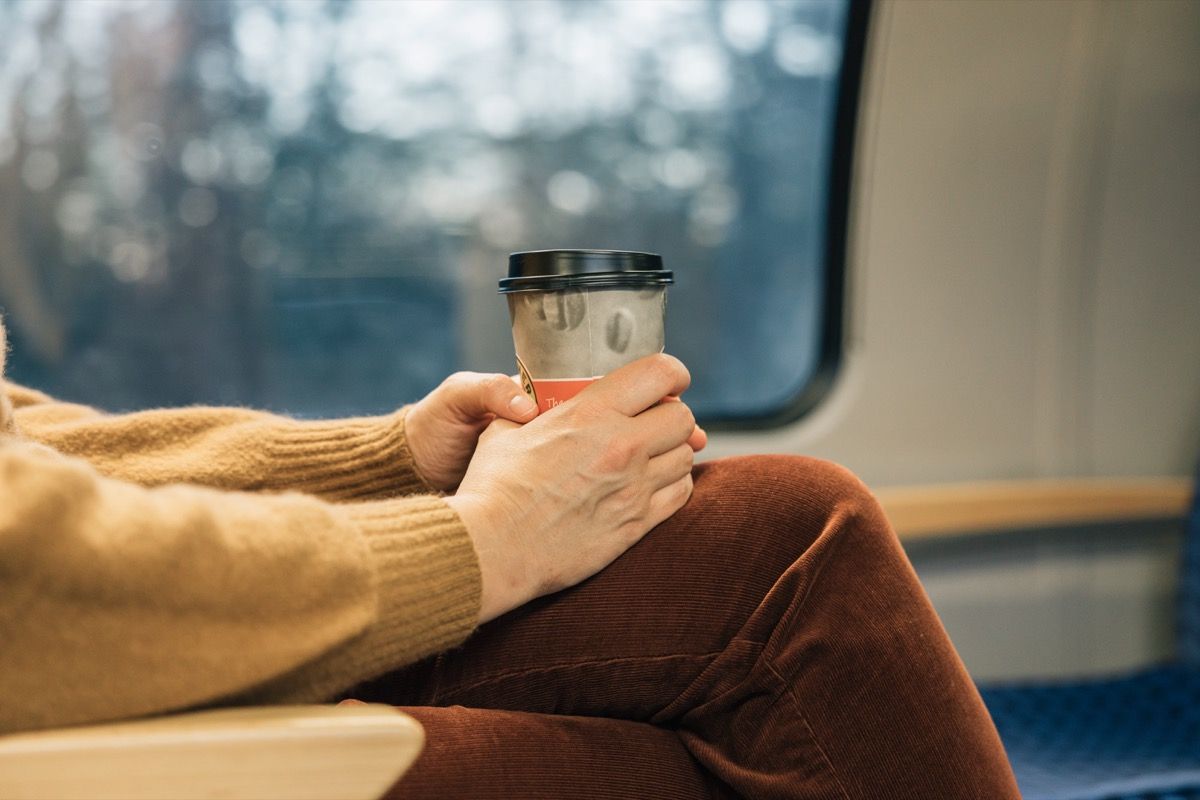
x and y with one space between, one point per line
217 172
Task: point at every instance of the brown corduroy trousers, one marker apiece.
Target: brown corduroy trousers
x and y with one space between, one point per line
770 640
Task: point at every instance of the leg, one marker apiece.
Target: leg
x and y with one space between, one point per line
774 626
486 753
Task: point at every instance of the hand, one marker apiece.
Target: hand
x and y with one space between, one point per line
443 428
554 501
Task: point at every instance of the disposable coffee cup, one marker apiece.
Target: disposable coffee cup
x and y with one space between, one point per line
579 314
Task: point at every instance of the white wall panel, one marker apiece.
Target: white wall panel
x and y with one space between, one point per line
1025 301
1025 279
1146 325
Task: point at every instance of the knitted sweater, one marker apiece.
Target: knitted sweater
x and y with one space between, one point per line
173 559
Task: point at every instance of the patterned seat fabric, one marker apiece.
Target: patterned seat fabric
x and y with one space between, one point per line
1135 737
1187 619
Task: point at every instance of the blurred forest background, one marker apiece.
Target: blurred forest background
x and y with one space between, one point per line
306 205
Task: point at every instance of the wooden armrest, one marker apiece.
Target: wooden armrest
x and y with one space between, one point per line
919 512
353 752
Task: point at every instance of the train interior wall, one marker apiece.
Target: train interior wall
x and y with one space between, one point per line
1024 302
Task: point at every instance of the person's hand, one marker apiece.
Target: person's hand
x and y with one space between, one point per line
442 428
554 501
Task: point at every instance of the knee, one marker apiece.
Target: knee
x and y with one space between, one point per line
795 501
784 482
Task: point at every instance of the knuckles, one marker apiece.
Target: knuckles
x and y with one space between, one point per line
617 456
664 368
458 382
686 418
477 381
689 486
670 370
683 492
498 386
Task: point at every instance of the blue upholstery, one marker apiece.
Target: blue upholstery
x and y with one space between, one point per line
1121 737
1187 623
1134 737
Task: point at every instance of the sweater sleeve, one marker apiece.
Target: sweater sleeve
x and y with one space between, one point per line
119 600
229 448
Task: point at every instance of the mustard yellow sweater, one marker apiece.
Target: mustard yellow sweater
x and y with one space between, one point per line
172 559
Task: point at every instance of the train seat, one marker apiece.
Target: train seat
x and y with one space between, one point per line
1130 737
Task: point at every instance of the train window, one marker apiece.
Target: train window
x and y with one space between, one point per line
307 205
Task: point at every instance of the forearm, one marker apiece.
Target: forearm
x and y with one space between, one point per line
229 448
120 601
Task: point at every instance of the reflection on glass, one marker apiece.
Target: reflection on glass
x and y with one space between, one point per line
306 205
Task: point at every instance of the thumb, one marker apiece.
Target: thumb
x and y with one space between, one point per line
495 394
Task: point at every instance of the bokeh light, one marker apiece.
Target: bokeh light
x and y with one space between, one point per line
274 172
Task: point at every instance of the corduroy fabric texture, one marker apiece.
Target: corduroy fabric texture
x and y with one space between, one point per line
771 640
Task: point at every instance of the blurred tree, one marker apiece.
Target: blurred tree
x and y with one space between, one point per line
307 205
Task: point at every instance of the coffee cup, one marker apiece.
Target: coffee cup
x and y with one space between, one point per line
579 314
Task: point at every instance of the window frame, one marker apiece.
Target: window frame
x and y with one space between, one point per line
830 335
831 343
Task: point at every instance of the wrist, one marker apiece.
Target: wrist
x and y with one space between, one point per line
426 578
412 418
503 584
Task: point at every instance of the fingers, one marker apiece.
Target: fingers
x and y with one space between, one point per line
670 467
475 396
669 499
664 427
496 426
638 385
698 439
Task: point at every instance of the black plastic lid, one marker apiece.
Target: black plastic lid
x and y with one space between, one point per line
550 270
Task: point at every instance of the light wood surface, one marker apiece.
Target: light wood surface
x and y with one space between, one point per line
918 512
295 752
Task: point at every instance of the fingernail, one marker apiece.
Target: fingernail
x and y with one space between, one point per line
522 405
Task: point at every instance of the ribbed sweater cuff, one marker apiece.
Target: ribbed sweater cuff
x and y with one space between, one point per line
429 585
346 459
